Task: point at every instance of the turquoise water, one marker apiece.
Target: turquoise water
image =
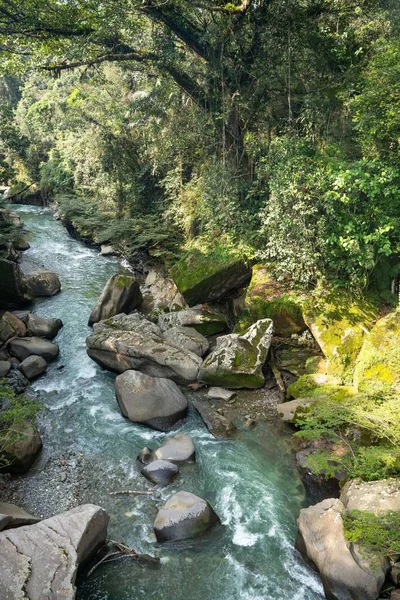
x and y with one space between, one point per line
250 482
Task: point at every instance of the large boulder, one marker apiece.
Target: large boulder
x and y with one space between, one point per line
33 366
40 561
21 348
160 294
267 298
152 401
344 573
14 516
5 367
14 290
340 326
160 472
187 338
121 294
129 342
40 327
19 447
207 320
371 496
10 327
217 424
184 516
238 360
209 274
43 283
377 369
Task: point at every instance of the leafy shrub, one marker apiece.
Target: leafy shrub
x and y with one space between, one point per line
377 534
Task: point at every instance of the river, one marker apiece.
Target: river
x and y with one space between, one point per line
251 482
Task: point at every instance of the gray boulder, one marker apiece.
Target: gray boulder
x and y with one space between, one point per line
152 401
187 338
21 445
371 496
14 291
178 449
205 319
132 342
220 393
121 294
344 573
107 250
14 516
160 294
184 516
40 561
16 380
217 424
290 411
160 472
5 367
40 327
22 348
43 283
238 360
33 366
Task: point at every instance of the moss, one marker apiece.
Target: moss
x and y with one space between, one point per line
340 325
232 380
298 360
377 369
124 281
314 386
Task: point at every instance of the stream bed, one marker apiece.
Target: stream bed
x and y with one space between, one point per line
90 450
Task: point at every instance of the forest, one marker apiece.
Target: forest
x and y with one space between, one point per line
271 126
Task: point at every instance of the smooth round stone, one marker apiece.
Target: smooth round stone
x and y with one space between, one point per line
33 366
177 449
160 472
22 348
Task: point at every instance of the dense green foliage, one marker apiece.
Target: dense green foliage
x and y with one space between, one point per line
276 124
377 535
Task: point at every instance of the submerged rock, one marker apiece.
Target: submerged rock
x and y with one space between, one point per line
160 472
238 360
121 294
43 283
40 561
22 348
205 319
14 290
152 401
344 573
132 342
184 516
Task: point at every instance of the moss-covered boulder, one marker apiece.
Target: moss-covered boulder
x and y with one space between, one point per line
205 319
14 291
318 385
299 360
209 272
268 299
340 326
238 360
121 294
377 369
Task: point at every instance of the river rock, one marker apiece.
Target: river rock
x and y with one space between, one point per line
40 561
132 342
5 367
290 411
160 472
14 516
205 319
22 445
107 250
40 327
10 327
217 424
22 244
220 393
121 294
371 496
184 516
22 348
160 294
238 360
14 291
33 366
152 401
178 449
43 283
187 338
344 573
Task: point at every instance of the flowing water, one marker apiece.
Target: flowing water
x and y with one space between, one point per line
251 482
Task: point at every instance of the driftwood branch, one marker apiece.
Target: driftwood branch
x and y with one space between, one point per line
122 551
134 492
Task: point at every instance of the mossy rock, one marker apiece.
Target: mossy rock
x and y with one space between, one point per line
340 327
319 386
209 272
299 360
377 369
268 299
